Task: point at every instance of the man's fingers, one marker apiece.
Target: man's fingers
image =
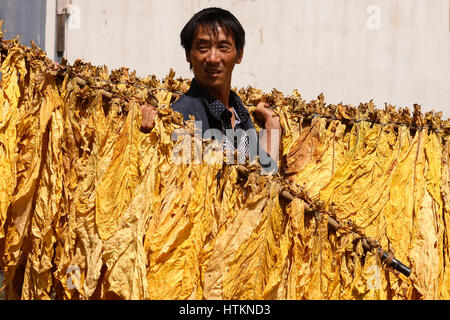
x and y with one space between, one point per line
262 105
149 113
146 106
263 110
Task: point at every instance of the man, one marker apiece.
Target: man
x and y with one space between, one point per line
213 41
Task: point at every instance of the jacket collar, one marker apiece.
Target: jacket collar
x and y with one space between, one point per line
215 106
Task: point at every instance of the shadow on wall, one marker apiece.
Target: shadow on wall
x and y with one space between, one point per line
25 18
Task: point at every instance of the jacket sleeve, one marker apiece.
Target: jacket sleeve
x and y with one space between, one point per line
182 107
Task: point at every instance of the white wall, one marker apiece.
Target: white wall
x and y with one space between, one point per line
311 45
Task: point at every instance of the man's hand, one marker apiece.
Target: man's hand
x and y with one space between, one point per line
148 118
271 138
264 114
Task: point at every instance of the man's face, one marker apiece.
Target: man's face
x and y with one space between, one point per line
213 58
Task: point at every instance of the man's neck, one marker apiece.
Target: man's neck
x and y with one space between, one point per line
222 94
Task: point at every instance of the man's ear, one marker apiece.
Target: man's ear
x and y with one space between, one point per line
239 56
188 56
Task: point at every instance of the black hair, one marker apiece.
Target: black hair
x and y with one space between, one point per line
212 18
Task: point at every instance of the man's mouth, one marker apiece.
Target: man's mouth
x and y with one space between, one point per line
211 71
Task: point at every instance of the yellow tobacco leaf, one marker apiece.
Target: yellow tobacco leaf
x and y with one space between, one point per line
113 192
255 269
12 68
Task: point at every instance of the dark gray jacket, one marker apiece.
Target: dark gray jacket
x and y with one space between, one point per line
214 115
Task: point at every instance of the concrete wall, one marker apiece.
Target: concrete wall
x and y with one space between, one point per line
394 51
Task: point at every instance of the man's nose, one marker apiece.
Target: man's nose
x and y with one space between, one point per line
213 56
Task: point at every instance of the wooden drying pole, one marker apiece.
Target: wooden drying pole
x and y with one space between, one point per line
81 82
335 225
